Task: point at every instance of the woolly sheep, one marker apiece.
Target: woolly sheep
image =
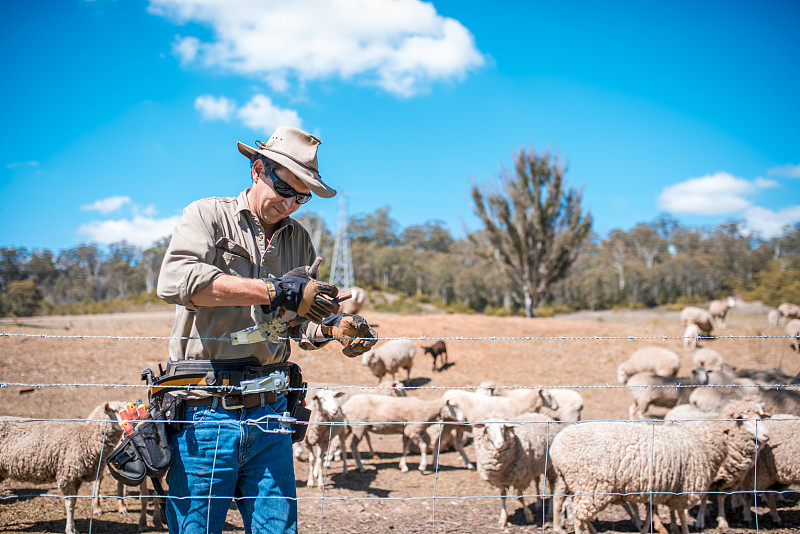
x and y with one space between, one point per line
690 335
563 404
793 329
708 359
381 414
436 350
652 359
602 463
719 309
511 454
68 454
647 389
325 424
390 357
702 318
778 462
355 303
773 316
789 310
777 400
687 412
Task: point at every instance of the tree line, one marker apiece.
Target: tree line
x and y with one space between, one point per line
535 255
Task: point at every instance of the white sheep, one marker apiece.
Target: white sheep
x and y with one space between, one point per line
325 424
688 412
773 317
512 454
788 310
719 309
793 329
390 357
702 318
648 389
382 414
778 464
562 404
602 463
355 303
690 335
651 359
68 454
709 359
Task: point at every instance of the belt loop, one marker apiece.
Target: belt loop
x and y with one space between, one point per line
215 403
263 400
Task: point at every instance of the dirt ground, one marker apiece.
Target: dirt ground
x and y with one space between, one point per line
383 499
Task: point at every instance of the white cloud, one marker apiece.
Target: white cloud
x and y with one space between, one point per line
715 194
260 114
764 183
401 46
107 205
140 231
789 170
770 223
215 108
18 164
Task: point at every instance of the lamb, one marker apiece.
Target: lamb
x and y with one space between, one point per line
436 350
719 309
355 303
602 463
690 335
652 359
471 407
513 454
649 389
325 424
390 357
778 464
702 318
708 359
793 329
381 414
67 454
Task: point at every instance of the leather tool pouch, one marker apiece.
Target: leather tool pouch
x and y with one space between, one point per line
145 452
295 403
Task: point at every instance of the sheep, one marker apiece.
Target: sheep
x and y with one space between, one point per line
719 309
708 359
67 454
793 329
702 318
688 412
381 414
475 407
355 303
789 310
563 404
513 454
778 464
436 350
773 316
390 357
602 463
690 335
649 389
654 359
777 400
325 424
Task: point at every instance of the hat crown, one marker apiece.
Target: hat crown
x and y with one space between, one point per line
295 144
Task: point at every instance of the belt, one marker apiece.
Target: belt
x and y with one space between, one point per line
234 402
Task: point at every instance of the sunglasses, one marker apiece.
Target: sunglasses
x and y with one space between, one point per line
286 191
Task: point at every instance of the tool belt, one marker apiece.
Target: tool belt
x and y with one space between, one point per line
145 452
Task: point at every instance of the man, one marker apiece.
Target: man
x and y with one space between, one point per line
234 263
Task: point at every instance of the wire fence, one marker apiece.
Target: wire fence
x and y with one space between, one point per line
655 452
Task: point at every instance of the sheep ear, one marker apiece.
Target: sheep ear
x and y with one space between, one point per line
338 394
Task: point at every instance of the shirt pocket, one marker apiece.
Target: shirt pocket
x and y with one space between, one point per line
234 259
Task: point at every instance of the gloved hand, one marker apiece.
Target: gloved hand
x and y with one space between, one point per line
298 292
344 327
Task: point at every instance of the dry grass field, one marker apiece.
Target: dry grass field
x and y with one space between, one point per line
383 499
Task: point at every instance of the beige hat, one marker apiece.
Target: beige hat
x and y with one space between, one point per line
297 151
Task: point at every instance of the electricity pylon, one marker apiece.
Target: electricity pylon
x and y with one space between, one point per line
342 266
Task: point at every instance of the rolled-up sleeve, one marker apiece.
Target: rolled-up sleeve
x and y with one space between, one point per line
188 264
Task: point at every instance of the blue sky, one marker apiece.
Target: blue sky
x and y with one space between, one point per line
117 114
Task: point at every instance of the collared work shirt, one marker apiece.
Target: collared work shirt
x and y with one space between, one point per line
222 236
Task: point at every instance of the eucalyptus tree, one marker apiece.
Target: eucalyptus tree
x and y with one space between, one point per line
535 224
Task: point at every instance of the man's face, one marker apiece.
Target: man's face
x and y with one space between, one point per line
265 202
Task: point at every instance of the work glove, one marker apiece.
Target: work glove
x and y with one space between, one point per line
298 292
352 331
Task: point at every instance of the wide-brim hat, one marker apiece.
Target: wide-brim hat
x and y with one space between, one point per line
297 151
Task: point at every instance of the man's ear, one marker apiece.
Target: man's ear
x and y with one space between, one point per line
255 172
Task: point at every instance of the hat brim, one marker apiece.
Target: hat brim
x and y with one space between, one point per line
306 175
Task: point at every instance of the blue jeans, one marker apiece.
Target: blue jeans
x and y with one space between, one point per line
216 459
